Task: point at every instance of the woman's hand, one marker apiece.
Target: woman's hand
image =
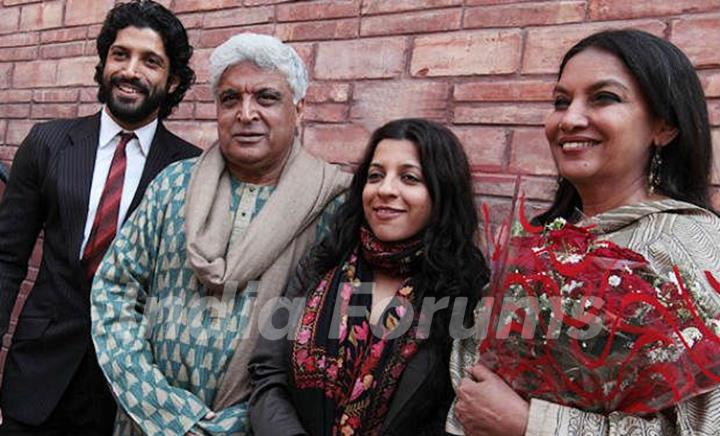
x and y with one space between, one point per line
486 405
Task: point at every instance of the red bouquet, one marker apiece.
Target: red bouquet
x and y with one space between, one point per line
583 322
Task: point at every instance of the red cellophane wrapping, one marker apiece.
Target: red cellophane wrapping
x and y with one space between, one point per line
582 322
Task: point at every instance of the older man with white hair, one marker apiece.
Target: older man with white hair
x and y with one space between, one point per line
176 300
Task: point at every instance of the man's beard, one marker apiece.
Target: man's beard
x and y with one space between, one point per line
131 113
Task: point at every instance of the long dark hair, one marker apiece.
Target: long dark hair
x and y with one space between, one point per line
451 265
673 92
148 14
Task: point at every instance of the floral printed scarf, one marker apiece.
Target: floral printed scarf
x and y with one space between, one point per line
356 370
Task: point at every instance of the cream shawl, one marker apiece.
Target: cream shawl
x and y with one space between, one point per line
269 248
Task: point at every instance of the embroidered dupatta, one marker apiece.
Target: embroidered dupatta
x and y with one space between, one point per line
356 366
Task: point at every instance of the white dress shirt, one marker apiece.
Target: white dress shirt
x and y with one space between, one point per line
136 152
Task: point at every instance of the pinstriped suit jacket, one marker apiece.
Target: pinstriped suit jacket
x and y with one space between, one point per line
48 191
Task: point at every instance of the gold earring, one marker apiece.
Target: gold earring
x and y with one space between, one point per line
654 175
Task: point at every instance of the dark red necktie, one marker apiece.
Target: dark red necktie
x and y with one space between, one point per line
106 217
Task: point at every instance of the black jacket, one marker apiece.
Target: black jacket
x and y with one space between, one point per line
48 191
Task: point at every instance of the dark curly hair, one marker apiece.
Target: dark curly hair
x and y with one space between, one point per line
673 92
149 14
452 265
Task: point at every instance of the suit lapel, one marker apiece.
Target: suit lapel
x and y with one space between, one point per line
417 370
76 164
161 154
75 170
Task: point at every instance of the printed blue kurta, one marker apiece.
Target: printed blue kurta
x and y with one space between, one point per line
162 341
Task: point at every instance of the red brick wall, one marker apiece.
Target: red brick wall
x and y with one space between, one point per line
484 67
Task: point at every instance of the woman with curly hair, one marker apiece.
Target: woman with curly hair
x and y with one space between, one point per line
368 355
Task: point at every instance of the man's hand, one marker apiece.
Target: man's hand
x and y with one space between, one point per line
487 406
208 416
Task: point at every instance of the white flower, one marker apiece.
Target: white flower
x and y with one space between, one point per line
614 281
570 258
557 223
691 336
569 287
663 354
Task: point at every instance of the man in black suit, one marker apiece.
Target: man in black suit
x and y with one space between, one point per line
77 180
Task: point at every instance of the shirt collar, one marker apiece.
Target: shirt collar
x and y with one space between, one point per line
109 129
